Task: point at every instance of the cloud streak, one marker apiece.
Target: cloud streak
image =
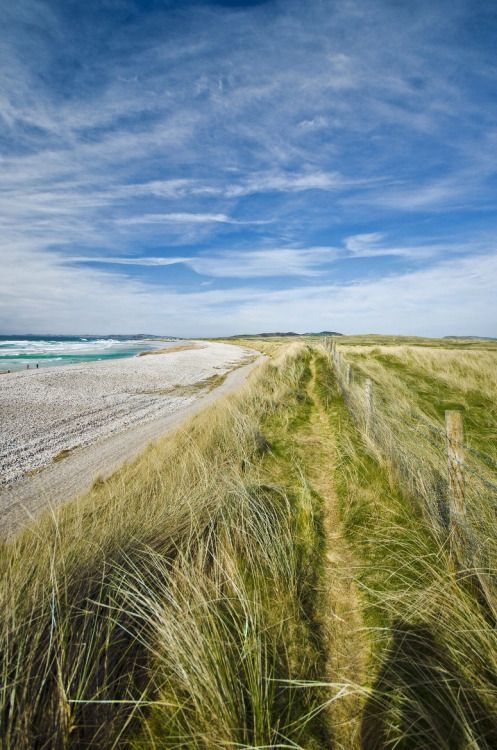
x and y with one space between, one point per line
429 301
270 148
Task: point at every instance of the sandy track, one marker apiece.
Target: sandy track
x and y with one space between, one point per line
118 432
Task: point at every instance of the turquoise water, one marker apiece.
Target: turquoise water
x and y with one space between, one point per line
19 353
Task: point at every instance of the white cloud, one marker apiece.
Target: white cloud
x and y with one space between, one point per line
264 263
287 182
41 293
177 218
372 245
315 123
360 244
295 118
269 262
139 261
246 264
456 297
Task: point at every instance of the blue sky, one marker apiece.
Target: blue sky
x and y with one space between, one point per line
209 168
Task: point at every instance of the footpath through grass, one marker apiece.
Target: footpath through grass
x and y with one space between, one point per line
304 454
432 678
175 605
256 580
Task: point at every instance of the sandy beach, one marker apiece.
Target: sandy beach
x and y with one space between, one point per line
61 426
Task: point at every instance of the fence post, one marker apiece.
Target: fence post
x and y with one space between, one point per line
368 392
454 429
348 374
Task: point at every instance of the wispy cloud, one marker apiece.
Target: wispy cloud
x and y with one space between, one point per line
288 182
266 263
430 301
377 245
247 264
150 261
270 142
313 261
177 218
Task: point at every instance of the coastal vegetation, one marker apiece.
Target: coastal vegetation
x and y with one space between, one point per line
267 576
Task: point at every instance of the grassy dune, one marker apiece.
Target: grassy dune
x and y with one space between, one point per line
434 379
170 606
266 576
432 640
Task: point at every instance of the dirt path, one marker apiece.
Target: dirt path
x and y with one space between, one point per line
73 475
342 622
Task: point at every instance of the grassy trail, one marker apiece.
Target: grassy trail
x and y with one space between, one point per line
241 575
342 620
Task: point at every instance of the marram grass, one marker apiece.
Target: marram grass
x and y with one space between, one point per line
189 602
431 624
163 608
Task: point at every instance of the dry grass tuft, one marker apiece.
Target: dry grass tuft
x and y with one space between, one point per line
164 607
433 676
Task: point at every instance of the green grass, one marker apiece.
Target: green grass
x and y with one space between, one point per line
172 605
433 395
194 599
433 676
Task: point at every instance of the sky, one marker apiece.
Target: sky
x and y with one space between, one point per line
213 168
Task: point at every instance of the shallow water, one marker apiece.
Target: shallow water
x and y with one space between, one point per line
19 353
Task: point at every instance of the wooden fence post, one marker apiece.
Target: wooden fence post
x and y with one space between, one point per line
348 374
368 392
454 429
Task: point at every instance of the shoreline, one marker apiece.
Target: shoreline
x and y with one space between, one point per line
67 426
30 360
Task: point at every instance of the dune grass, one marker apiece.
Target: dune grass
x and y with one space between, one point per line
209 594
436 379
433 676
169 607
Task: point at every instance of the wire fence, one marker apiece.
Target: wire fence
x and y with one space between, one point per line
455 484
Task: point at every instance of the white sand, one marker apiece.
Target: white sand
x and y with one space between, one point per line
46 411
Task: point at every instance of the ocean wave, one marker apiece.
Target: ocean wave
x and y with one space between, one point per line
21 346
23 352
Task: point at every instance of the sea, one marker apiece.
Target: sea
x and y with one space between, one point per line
28 351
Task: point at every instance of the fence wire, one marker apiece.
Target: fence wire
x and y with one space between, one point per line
417 450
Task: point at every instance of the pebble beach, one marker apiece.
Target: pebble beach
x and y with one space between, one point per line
48 413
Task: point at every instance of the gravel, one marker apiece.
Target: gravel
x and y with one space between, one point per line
48 411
